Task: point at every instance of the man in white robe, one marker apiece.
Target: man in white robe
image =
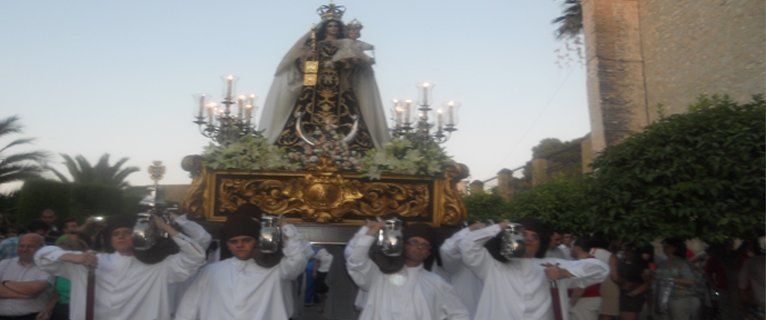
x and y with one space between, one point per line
125 287
248 285
467 284
519 288
412 292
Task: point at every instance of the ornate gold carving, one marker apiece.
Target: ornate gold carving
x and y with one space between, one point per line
325 195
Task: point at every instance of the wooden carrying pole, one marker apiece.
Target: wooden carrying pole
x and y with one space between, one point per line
90 294
556 301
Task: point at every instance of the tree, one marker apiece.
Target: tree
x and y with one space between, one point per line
482 206
560 203
570 21
102 173
18 166
699 174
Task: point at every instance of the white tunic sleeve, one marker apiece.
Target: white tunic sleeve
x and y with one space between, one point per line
360 267
352 243
584 272
184 264
475 256
47 259
450 252
297 252
195 231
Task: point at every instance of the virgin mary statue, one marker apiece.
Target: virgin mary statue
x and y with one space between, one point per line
344 97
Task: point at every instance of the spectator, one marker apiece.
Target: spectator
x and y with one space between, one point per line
49 217
633 279
683 303
586 303
752 278
9 245
24 290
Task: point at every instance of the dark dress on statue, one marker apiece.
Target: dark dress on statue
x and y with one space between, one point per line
331 101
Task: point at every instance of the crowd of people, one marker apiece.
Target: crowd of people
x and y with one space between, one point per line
46 270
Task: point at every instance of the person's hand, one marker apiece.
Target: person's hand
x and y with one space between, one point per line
373 227
162 225
553 272
477 226
87 258
44 315
504 224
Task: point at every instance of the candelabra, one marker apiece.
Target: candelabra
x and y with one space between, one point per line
156 173
421 130
222 125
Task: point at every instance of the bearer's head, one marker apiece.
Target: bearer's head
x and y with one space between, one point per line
119 230
418 240
240 233
536 237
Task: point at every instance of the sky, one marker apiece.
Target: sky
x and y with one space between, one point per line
118 77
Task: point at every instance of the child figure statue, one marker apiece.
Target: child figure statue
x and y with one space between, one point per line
350 48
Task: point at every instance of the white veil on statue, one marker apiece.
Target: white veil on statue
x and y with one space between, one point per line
287 84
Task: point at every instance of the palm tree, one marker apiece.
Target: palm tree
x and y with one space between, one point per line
101 174
570 22
18 166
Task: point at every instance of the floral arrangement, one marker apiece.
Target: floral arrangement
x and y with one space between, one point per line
401 156
328 144
252 152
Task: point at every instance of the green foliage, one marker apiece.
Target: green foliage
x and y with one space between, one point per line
401 156
37 195
699 174
248 153
92 199
18 166
564 158
561 203
71 200
83 172
570 21
482 206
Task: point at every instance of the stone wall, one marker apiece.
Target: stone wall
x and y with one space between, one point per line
640 54
693 47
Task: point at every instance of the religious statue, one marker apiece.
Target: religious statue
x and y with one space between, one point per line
317 92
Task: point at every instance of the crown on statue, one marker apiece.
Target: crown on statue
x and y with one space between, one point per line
331 12
354 25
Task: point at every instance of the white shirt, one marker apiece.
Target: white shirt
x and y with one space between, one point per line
125 288
467 284
236 289
361 294
12 270
412 293
519 289
325 260
199 235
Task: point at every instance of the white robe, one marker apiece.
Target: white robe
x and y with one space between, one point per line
125 288
519 289
236 289
412 293
361 294
467 284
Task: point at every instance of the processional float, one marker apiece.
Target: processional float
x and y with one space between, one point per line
317 158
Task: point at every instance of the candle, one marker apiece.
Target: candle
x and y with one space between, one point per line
451 113
248 112
240 106
229 85
439 119
201 106
407 111
210 112
425 86
398 115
